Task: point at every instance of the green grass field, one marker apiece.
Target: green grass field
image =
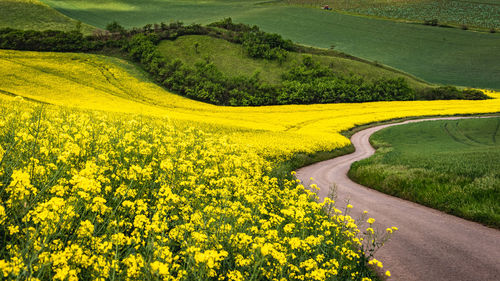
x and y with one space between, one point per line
437 55
232 60
472 13
33 14
452 166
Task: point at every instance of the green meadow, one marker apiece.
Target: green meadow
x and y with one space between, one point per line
452 166
232 60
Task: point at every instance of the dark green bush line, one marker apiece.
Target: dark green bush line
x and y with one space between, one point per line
306 83
312 83
451 93
74 41
50 40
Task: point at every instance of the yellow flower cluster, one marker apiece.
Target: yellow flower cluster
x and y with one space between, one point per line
92 195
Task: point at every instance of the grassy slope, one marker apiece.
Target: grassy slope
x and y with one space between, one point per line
438 55
232 60
449 165
447 56
33 14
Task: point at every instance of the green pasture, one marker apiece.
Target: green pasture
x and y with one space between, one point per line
472 13
437 55
232 60
452 166
33 14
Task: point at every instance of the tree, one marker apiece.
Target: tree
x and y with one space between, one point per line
115 27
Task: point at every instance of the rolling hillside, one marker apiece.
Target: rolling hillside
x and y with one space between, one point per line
101 83
233 60
104 174
438 55
34 14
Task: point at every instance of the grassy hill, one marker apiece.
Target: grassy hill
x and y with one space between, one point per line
34 14
448 165
438 55
232 60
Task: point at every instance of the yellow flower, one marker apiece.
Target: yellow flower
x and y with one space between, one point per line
376 262
235 275
86 229
13 229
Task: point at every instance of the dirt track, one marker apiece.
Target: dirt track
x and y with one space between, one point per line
430 245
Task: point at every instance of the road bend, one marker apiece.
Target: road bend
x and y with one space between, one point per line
429 245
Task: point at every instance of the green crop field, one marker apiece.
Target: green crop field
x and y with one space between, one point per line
475 13
438 55
33 14
232 60
452 166
479 14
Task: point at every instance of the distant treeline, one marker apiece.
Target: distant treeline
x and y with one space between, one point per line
306 83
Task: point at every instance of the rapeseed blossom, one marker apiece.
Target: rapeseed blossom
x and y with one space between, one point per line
99 83
93 195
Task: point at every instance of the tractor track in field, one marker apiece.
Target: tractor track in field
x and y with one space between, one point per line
496 131
430 245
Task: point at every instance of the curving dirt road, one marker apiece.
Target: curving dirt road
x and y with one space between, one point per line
430 245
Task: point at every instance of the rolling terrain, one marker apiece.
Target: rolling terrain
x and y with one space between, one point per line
231 59
103 83
481 14
106 175
34 14
437 55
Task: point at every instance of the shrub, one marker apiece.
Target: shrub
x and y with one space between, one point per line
433 22
450 93
115 27
228 24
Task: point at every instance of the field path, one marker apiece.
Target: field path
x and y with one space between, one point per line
430 245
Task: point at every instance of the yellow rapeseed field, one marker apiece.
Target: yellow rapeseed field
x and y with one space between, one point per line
104 175
95 196
100 83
